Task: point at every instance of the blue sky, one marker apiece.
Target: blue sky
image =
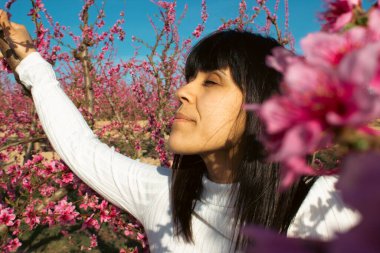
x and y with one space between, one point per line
302 16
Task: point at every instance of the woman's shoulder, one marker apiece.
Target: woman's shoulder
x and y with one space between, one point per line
323 212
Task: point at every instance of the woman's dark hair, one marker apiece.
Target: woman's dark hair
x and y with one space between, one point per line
257 200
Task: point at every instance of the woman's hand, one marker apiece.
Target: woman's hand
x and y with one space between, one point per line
15 41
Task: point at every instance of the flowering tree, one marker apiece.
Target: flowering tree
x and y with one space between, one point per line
330 99
128 103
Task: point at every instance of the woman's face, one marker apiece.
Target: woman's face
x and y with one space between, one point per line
210 117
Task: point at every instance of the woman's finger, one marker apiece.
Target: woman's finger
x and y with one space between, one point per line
16 26
4 20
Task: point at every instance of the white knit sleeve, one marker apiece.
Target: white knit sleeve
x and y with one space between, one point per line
125 182
323 214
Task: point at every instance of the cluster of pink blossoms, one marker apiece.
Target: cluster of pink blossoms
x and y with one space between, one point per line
335 84
170 16
37 195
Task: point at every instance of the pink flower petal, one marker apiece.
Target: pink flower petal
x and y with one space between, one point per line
300 140
292 169
280 58
361 66
323 48
342 20
277 113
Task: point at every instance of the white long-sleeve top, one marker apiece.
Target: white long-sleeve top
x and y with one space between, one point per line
143 190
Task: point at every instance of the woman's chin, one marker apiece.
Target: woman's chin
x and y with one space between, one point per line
179 147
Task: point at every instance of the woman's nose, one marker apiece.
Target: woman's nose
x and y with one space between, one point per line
184 94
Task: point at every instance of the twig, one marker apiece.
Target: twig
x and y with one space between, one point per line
22 142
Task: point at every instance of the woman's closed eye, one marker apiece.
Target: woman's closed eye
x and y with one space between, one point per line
209 83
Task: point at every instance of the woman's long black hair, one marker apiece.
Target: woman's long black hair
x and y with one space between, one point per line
257 200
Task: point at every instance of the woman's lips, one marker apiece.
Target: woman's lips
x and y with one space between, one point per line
182 117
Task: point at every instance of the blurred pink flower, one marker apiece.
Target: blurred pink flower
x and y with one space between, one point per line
280 59
328 49
334 86
362 67
338 14
359 185
266 241
373 24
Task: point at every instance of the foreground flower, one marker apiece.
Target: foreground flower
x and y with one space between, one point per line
314 103
359 184
335 85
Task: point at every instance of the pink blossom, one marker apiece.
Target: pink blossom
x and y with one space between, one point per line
338 14
90 222
30 216
12 245
27 185
128 232
198 31
204 11
93 241
65 212
67 178
7 217
242 7
104 213
328 49
46 190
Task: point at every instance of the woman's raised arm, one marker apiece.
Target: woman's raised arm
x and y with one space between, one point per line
125 182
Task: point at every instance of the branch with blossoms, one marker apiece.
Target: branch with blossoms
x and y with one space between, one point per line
329 99
245 20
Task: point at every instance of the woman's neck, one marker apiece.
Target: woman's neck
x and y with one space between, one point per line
221 164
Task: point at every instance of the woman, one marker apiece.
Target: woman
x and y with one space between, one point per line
219 180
